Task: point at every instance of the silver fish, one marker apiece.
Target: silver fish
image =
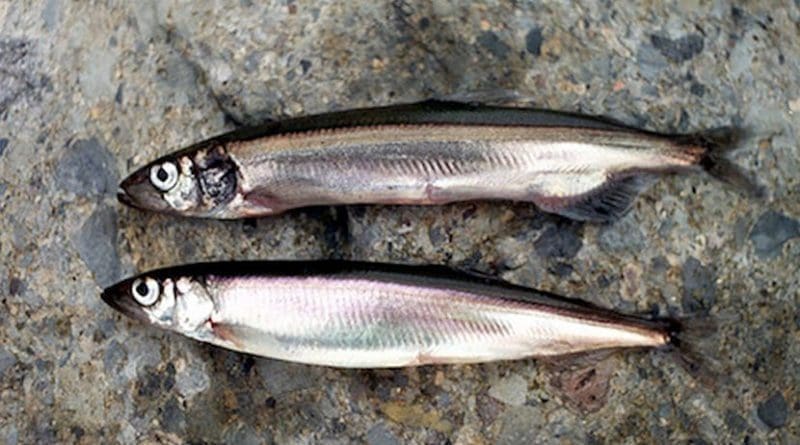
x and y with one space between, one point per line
366 315
427 153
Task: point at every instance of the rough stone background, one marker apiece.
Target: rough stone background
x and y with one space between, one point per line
89 90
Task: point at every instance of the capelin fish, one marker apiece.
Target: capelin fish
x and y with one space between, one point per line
367 315
427 153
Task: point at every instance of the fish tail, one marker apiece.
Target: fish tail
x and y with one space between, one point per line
692 345
716 144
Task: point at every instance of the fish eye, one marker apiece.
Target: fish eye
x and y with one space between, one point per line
145 291
164 176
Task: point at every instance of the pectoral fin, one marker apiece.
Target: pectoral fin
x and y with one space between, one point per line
259 202
228 334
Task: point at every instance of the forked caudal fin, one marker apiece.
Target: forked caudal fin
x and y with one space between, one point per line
693 346
717 144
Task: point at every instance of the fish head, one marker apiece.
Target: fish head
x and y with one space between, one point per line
181 304
195 182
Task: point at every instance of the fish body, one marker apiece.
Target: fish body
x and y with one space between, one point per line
360 315
423 154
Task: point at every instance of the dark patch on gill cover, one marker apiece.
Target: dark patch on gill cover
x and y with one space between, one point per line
217 176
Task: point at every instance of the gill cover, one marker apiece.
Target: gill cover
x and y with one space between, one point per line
216 177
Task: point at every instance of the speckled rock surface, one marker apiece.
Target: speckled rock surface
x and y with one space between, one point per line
90 90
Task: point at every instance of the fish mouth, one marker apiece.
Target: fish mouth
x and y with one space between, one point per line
125 198
137 192
120 299
132 188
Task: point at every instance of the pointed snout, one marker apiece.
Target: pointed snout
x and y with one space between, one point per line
137 191
120 298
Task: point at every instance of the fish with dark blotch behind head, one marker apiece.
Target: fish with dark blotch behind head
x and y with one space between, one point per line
428 153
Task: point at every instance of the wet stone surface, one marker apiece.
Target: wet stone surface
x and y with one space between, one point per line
87 169
699 287
680 49
7 360
774 411
771 231
91 90
96 243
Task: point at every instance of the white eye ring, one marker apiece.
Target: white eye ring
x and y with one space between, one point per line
145 291
164 176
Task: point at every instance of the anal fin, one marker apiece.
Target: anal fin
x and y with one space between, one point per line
605 204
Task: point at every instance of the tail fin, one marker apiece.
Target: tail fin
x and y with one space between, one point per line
693 347
718 143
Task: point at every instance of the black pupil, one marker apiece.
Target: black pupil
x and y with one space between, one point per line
141 289
161 174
